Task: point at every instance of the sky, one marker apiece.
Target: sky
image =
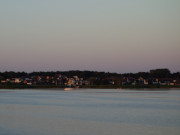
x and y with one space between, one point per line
99 35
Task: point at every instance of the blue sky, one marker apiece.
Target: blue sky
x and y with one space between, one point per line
102 35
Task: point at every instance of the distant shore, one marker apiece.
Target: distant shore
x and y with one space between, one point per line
86 86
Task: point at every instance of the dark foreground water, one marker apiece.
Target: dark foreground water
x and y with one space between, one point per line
89 112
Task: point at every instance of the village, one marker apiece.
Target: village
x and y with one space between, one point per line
78 82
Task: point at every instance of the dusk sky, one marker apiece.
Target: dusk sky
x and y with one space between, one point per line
100 35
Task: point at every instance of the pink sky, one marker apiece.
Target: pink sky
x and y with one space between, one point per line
111 36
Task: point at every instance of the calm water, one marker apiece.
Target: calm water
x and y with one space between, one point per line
89 112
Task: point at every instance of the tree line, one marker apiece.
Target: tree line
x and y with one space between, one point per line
155 73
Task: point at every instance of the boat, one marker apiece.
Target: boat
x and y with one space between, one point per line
68 88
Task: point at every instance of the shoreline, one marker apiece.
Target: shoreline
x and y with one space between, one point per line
89 87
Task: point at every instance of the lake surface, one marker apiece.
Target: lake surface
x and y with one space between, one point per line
89 112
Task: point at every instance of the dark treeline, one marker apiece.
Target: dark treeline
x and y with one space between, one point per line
81 74
156 73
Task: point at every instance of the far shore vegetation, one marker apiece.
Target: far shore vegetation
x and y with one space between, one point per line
156 78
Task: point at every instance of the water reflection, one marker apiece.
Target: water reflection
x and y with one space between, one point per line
89 112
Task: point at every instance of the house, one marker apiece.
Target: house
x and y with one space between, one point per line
146 82
17 80
71 82
165 81
172 83
8 80
47 77
27 81
81 81
155 81
128 81
114 80
177 83
3 81
140 80
111 82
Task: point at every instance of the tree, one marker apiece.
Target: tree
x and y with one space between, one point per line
160 73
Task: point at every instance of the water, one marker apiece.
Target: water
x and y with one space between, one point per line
89 112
